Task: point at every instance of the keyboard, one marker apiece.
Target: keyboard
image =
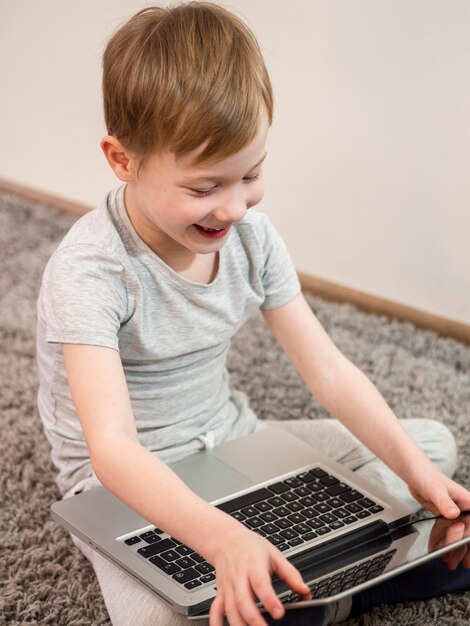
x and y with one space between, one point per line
347 578
288 513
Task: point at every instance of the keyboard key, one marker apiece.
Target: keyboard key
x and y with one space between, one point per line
197 557
316 486
254 522
335 502
238 516
296 542
183 550
310 513
315 523
249 511
351 495
289 496
185 562
288 533
275 539
363 514
354 507
156 548
328 518
366 502
186 575
165 566
132 540
263 506
321 496
207 578
307 501
323 530
205 568
309 536
350 519
248 499
342 513
284 522
329 480
335 490
279 488
296 518
150 537
192 584
170 555
293 482
303 529
268 516
322 507
283 546
318 472
281 511
302 491
276 501
306 477
294 506
269 529
376 508
336 525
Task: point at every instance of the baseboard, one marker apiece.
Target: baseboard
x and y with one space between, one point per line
40 197
316 286
380 306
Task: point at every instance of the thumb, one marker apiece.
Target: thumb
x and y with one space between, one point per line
290 575
445 505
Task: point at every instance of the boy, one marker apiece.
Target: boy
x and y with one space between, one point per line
140 300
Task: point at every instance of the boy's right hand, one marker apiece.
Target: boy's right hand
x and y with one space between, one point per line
245 563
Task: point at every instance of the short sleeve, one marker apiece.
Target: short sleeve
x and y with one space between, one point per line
83 297
280 280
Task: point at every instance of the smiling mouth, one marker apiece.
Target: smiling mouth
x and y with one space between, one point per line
212 233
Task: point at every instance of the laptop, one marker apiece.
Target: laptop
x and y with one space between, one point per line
342 532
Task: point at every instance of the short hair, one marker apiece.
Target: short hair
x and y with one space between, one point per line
175 78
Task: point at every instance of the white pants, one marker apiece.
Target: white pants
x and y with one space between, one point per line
131 604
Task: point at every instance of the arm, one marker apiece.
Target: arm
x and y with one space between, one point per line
351 397
244 561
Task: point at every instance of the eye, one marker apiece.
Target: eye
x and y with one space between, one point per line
251 179
201 193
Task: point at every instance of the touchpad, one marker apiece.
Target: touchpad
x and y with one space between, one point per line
209 477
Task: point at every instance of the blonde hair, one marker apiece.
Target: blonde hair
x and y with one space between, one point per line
176 78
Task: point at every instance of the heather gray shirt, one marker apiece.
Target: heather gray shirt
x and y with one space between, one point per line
104 286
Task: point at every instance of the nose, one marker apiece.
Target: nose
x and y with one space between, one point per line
232 208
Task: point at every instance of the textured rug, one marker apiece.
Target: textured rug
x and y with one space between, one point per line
45 579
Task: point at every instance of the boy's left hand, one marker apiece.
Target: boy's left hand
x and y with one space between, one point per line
438 493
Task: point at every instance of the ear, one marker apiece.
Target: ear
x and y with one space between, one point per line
122 162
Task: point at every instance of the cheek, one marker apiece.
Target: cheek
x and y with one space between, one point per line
255 194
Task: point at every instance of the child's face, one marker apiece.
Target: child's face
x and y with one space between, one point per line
177 206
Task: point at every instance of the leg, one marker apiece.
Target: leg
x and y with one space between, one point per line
128 601
338 443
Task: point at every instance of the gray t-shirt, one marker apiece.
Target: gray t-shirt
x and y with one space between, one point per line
104 286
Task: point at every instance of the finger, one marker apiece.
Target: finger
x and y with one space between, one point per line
216 613
466 559
445 505
456 557
289 574
246 607
262 586
232 612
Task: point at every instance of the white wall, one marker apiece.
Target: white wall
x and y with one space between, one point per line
369 155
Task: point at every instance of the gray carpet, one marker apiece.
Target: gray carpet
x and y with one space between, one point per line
45 579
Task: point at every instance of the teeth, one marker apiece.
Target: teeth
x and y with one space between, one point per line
208 230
